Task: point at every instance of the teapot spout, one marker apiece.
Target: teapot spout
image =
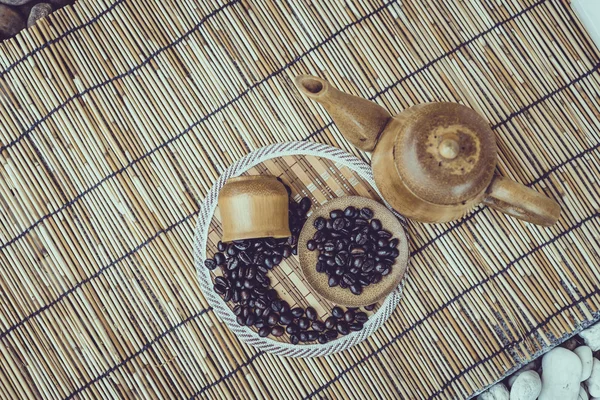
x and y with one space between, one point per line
361 121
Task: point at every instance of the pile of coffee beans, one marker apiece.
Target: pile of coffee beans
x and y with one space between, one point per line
354 249
245 267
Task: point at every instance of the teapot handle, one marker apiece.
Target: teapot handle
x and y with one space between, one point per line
521 202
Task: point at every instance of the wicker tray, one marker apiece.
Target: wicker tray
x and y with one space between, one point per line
321 172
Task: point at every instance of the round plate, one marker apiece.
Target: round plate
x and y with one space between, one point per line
311 169
318 280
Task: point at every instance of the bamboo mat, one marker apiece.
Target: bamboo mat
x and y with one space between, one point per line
117 116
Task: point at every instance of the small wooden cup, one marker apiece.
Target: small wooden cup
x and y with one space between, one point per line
252 207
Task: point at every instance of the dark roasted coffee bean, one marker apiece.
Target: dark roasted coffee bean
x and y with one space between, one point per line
379 266
336 214
249 283
370 307
292 328
360 222
276 305
356 326
368 266
394 253
241 271
331 334
382 242
305 204
321 266
270 242
250 272
343 284
336 235
319 237
311 245
339 245
384 234
360 317
277 259
386 271
273 319
221 246
243 256
269 263
364 280
250 319
227 295
260 291
358 261
366 213
339 270
219 288
373 237
292 240
375 224
356 289
339 224
264 331
311 313
348 279
349 316
258 312
337 312
376 278
329 246
237 310
334 280
258 259
329 224
311 336
242 244
251 303
361 238
318 326
343 327
319 223
277 331
222 281
266 312
371 247
287 251
245 294
236 296
350 212
220 258
330 261
330 322
285 318
354 270
383 252
303 336
261 303
241 320
322 339
232 251
278 251
226 274
303 323
393 243
234 276
294 339
259 323
297 312
232 264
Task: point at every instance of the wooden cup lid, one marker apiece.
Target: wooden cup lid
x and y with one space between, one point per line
319 281
445 153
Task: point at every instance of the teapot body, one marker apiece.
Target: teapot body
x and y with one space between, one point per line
393 188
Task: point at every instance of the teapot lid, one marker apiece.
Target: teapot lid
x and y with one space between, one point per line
445 153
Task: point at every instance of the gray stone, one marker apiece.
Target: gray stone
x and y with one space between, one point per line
14 2
39 11
10 21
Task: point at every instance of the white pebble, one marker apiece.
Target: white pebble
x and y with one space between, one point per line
531 366
582 394
526 387
585 355
496 392
591 337
593 382
561 370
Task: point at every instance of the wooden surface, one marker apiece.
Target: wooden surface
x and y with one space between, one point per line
117 116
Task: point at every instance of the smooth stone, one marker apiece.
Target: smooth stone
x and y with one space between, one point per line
60 3
585 355
10 22
583 394
561 372
14 3
526 387
39 11
593 382
529 367
496 392
591 337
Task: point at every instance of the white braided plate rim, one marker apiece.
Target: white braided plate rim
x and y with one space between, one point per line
200 238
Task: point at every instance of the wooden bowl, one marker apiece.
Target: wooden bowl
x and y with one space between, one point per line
319 280
254 207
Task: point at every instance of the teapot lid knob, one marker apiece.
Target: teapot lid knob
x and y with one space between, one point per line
448 149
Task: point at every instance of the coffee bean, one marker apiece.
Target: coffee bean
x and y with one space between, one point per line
319 237
266 312
241 244
241 320
271 294
232 264
368 266
258 312
251 302
319 223
264 331
273 319
339 224
361 317
259 323
227 295
364 280
260 291
311 245
361 238
276 305
236 296
219 288
277 331
370 307
259 258
394 253
237 310
294 339
321 266
305 205
383 252
220 258
232 250
249 283
366 213
350 212
331 334
356 327
250 319
303 336
222 281
297 312
329 246
285 318
245 294
356 289
379 266
311 336
311 313
250 272
337 312
226 273
287 251
349 316
271 243
292 329
303 323
382 242
383 234
336 214
243 256
330 322
221 246
348 279
343 327
318 326
393 243
322 339
334 280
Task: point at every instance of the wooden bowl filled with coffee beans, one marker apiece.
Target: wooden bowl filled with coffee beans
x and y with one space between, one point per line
353 251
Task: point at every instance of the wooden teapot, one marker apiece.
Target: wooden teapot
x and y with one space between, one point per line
433 162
